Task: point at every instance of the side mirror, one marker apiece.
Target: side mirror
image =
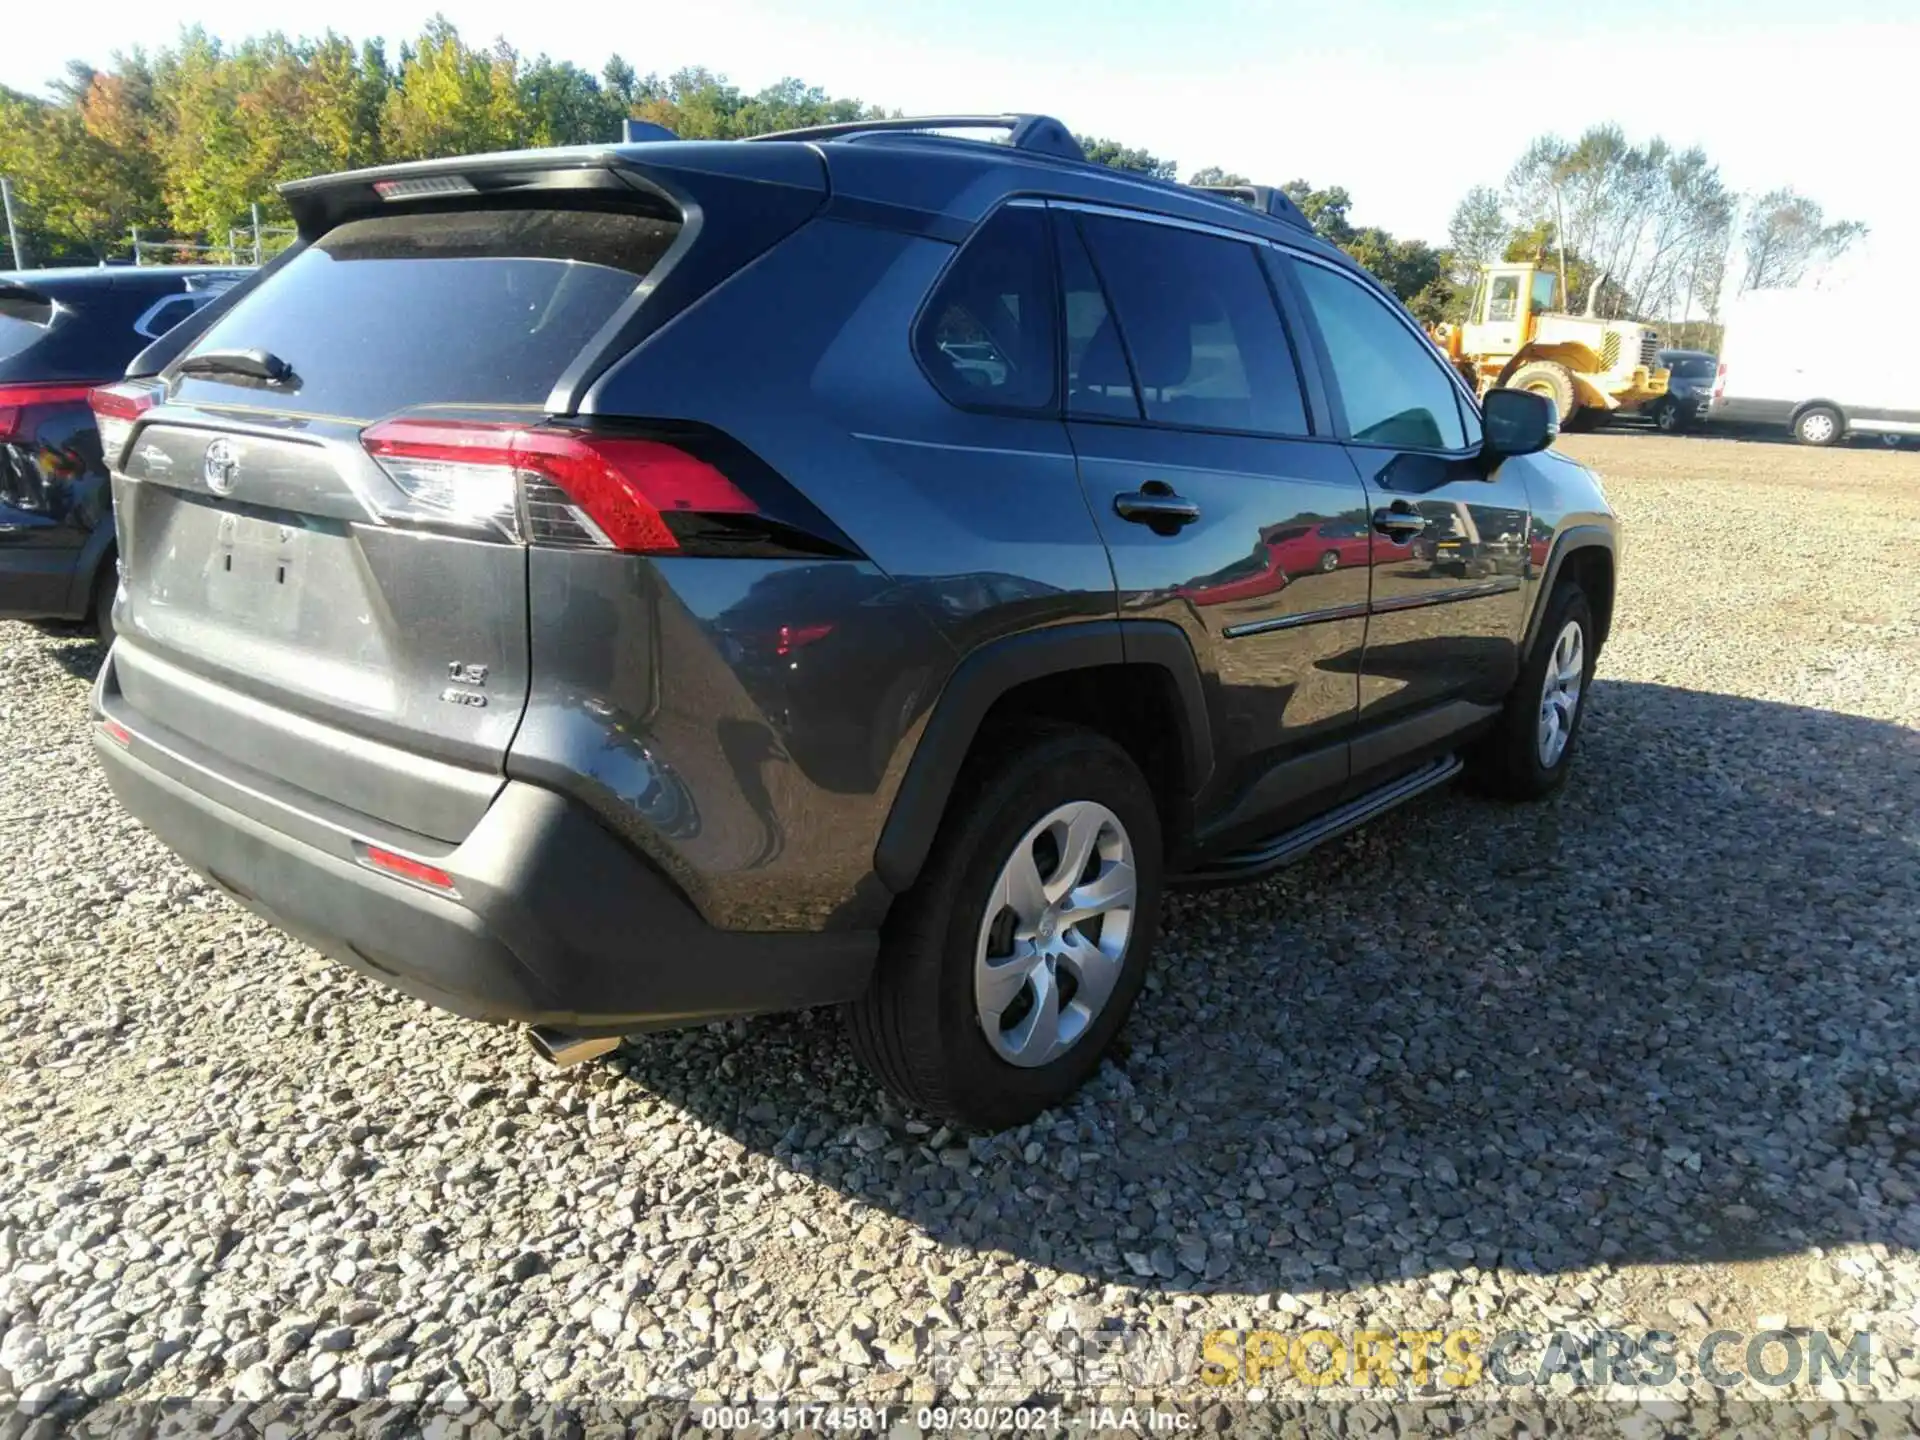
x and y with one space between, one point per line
1517 422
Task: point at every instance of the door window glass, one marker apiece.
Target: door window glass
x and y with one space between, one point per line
1099 382
1390 380
1503 300
1200 327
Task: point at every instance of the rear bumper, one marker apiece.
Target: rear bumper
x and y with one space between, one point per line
552 921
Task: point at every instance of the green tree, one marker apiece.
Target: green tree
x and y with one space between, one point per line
1124 157
1214 175
1412 269
567 106
450 99
1326 210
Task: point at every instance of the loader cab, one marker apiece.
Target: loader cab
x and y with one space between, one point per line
1505 302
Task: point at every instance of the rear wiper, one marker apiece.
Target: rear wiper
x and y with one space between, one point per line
253 364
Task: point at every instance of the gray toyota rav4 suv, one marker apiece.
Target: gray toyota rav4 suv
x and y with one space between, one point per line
614 588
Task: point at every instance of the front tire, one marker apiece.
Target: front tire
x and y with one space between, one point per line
1667 418
1819 425
1329 561
1528 752
1008 968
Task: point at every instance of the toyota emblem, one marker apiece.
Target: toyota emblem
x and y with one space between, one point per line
221 467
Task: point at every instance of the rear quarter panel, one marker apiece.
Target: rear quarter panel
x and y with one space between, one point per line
783 766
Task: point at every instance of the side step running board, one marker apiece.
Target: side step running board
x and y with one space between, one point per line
1290 845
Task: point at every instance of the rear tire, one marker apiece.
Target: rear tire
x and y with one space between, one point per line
1519 759
1819 425
106 585
1330 561
1553 380
953 998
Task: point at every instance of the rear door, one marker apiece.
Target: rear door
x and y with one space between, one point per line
355 630
1187 410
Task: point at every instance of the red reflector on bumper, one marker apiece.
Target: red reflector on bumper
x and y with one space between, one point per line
406 867
117 732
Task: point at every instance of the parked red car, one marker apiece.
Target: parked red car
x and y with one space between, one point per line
1329 545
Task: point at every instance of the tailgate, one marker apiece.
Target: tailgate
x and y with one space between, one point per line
279 624
290 605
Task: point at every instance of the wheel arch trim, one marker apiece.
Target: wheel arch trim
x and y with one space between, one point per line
996 668
1573 539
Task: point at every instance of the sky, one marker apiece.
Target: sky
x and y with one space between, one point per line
1406 103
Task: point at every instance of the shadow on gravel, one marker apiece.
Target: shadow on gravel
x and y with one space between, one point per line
1667 1016
79 651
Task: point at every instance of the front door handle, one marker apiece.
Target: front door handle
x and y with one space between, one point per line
1156 504
1401 525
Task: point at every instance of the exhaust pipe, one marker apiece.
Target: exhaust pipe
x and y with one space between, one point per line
563 1049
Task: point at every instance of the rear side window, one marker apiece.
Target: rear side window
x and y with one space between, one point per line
1390 380
986 336
1200 327
485 306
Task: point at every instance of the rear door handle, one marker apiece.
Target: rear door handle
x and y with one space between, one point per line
1155 504
1399 524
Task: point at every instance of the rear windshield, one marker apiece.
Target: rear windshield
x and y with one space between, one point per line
469 306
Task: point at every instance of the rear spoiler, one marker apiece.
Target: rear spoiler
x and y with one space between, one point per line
666 168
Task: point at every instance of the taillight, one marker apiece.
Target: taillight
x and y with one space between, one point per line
1719 382
17 400
549 485
116 411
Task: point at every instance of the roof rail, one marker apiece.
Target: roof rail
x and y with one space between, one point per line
1267 199
1041 134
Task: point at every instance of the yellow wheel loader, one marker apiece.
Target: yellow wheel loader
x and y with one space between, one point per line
1587 366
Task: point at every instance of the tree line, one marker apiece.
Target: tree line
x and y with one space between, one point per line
185 141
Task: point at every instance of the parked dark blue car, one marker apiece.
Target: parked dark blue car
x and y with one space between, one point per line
63 332
1689 391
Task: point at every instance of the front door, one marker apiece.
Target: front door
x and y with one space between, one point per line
1451 546
1199 458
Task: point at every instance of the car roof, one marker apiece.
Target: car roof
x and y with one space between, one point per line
935 184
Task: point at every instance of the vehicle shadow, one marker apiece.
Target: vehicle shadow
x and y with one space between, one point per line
78 651
1635 428
1665 1016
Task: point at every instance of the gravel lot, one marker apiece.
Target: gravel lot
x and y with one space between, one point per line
1643 1056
